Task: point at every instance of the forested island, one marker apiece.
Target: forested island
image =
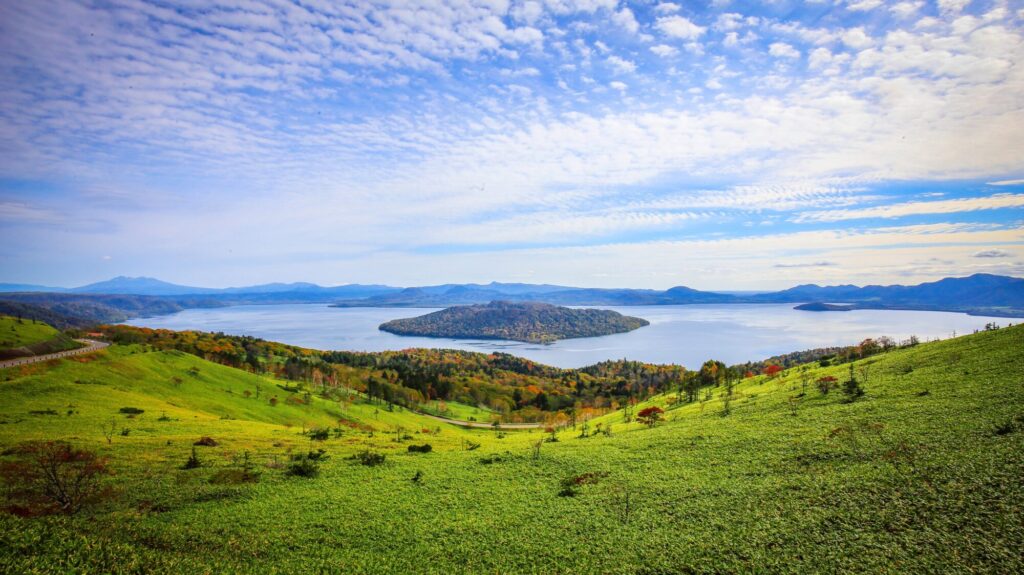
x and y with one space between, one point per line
519 321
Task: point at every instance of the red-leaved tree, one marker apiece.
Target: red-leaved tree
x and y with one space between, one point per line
650 415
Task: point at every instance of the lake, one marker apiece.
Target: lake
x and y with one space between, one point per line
684 334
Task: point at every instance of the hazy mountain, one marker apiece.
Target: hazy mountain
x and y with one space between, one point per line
979 291
139 286
15 288
271 292
980 294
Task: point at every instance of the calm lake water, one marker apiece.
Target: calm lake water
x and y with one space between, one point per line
685 334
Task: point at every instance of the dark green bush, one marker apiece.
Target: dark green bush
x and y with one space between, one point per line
319 433
193 460
303 466
425 448
370 458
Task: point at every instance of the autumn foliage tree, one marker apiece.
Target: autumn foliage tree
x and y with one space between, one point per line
650 415
826 383
53 476
772 370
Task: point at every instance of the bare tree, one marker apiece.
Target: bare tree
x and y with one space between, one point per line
109 429
56 475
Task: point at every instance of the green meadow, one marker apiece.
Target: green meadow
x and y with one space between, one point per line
25 337
923 473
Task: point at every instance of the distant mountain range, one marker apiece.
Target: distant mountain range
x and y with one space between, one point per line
301 291
979 294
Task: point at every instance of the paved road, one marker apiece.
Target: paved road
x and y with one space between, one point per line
90 346
481 425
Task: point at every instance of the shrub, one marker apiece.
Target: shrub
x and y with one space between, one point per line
132 411
53 476
1011 425
193 460
319 433
370 458
425 448
246 473
206 441
303 466
570 485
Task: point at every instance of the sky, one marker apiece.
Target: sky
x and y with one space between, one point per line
720 145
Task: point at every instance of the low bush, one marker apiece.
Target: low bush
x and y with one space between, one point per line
303 466
425 448
132 411
206 441
370 458
193 460
1011 425
319 433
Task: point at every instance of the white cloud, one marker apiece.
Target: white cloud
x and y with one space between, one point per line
1007 183
994 202
620 86
952 6
783 50
528 12
856 38
864 5
679 27
906 9
819 57
626 20
664 50
667 8
993 253
620 65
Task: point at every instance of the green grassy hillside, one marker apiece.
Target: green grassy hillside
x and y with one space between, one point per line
26 337
924 473
16 332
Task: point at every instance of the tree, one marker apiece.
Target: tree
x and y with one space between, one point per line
650 415
712 372
852 388
825 384
772 370
109 429
53 475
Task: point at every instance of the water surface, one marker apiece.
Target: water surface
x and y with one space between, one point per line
686 334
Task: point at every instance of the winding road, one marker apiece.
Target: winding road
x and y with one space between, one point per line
91 345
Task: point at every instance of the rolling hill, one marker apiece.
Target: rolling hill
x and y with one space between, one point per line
923 473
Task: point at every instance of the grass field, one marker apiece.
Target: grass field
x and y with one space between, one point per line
21 333
925 473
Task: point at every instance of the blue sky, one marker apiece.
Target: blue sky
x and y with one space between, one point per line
722 145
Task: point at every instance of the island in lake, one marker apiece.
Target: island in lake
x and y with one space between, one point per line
519 321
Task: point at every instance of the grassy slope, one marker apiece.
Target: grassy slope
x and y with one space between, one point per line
26 332
899 481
